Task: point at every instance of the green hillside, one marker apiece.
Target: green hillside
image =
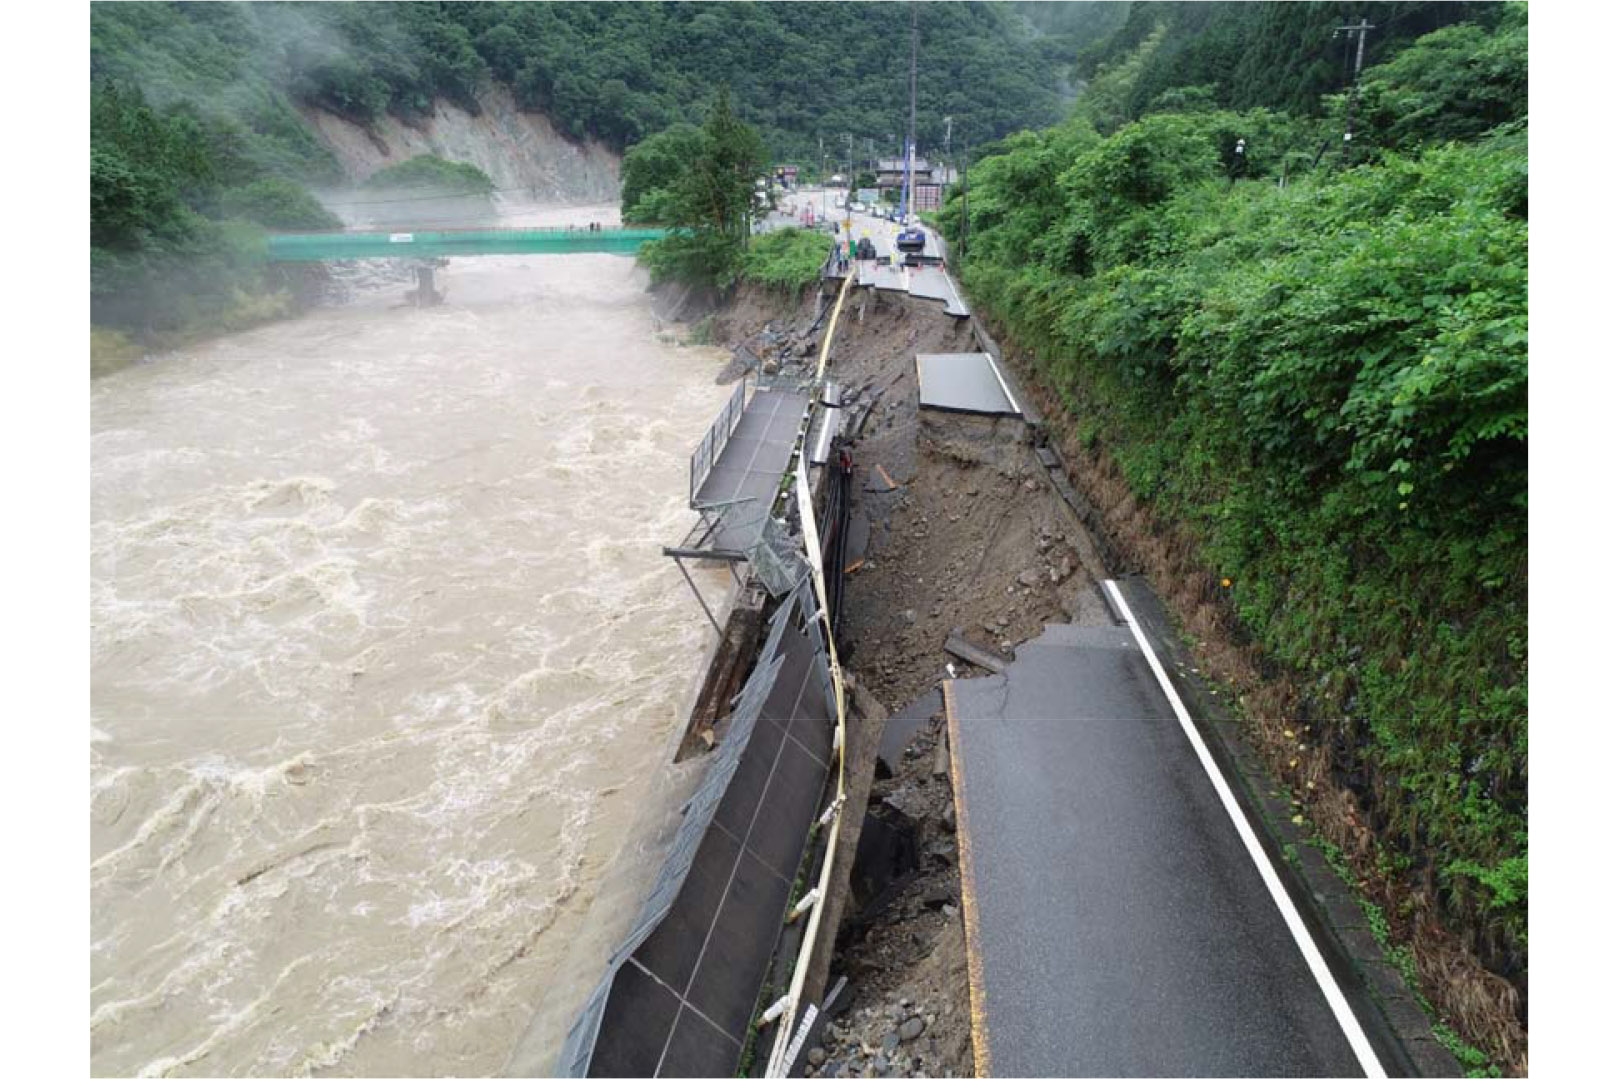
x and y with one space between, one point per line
1322 385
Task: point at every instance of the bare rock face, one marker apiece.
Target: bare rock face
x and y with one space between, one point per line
520 151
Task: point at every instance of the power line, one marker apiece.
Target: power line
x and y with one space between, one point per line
451 222
433 198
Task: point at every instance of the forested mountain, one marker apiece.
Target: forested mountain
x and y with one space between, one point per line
797 72
197 135
1269 55
1309 358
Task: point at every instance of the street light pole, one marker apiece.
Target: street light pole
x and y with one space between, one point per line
910 136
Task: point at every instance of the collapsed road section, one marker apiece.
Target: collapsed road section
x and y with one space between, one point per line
1070 887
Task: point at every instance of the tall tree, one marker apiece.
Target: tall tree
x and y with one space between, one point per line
718 189
710 197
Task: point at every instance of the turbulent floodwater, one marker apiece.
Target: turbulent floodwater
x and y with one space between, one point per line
386 667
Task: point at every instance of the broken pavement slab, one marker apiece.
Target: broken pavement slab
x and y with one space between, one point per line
964 382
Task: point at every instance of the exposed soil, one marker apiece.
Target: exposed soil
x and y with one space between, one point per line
954 529
520 151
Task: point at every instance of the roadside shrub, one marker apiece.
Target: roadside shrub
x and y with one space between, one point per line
1326 385
787 259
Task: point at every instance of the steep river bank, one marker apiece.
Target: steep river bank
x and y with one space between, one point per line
386 670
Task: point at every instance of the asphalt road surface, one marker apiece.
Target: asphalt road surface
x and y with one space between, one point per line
1117 924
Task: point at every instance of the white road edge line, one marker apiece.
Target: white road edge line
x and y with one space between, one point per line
996 369
1301 935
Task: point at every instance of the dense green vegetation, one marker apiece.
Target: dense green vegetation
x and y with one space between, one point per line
617 72
701 182
787 259
426 172
174 220
1244 56
1324 384
798 72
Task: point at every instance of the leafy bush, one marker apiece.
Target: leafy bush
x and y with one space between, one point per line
1326 385
1456 83
651 171
787 259
428 172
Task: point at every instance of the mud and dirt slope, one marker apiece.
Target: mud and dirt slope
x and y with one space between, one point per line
520 151
953 529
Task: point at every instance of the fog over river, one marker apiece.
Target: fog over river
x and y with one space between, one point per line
386 670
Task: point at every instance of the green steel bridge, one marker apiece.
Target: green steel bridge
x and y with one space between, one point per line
332 246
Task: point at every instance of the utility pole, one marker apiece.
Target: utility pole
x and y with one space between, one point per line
820 144
966 219
1358 31
848 187
910 137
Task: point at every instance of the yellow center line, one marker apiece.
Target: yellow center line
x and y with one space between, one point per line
969 895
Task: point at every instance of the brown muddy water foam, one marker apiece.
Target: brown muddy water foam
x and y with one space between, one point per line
386 670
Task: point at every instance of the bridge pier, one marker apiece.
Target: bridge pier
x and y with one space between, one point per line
424 295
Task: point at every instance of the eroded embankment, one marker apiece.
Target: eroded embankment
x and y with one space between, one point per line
955 530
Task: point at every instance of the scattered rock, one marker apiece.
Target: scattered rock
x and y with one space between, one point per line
816 1056
911 1029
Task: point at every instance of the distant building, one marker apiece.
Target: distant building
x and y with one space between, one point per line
891 173
787 175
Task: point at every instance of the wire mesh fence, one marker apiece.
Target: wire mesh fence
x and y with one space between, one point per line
719 433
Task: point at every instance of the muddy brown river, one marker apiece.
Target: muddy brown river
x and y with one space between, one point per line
386 670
